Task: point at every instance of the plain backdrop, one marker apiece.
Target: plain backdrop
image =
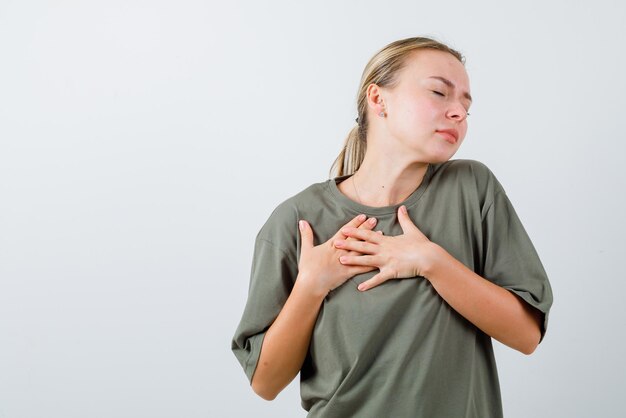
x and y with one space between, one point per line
144 143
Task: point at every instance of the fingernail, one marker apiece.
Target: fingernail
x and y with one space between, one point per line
362 287
361 217
301 224
339 242
342 259
403 209
345 230
372 221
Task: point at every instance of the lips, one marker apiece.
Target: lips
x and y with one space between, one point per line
450 135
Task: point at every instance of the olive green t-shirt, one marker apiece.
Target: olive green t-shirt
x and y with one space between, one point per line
397 350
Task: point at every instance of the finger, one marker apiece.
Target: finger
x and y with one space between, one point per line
367 225
306 233
354 270
359 260
362 234
354 223
406 223
373 282
362 247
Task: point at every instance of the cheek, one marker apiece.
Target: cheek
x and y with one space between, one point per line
422 111
416 115
431 104
463 129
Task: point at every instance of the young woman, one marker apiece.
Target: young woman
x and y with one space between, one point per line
383 286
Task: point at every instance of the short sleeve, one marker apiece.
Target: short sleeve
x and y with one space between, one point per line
510 259
272 277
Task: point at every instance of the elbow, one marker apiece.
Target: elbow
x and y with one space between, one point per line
265 394
263 391
529 349
533 333
531 343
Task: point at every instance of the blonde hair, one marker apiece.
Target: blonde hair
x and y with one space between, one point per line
382 70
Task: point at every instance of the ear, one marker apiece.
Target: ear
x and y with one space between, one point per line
375 98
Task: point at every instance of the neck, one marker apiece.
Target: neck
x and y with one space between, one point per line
384 181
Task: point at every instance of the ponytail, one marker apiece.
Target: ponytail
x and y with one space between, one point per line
351 156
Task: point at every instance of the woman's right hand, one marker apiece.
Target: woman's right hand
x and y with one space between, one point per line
320 266
288 338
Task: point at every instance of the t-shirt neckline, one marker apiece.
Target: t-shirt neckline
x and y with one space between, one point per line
382 210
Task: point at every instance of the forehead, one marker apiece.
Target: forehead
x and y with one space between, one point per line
426 63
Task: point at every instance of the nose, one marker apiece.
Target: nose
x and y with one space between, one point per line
457 112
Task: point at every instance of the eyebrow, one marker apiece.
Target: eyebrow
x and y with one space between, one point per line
451 85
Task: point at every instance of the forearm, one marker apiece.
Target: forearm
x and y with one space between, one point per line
287 340
495 310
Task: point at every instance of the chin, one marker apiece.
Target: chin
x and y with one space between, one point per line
434 153
441 156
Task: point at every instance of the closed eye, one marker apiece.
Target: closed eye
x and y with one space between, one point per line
438 93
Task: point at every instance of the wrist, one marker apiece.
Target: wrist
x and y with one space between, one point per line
309 285
437 256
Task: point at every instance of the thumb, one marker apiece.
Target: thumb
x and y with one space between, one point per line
405 221
307 234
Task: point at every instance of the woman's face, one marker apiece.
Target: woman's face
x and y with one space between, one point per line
427 109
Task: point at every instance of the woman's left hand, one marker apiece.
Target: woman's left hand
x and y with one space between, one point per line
408 255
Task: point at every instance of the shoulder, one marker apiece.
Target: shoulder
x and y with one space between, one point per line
281 227
466 178
467 173
465 168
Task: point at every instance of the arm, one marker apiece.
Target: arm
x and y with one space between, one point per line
286 342
495 310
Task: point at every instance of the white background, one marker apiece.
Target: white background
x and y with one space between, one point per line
144 143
